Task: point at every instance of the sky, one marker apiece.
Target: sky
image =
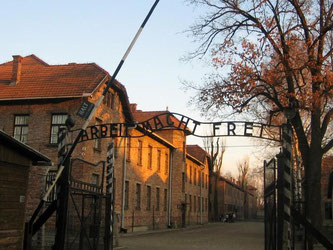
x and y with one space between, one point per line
62 31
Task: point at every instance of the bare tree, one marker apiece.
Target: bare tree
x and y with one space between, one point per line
279 56
243 168
216 150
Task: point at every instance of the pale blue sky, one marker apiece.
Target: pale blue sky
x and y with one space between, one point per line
64 31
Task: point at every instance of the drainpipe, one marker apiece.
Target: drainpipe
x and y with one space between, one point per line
124 180
201 197
170 187
201 182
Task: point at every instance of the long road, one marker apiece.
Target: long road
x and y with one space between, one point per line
228 236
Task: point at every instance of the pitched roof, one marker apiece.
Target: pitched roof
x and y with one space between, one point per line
40 80
35 156
197 152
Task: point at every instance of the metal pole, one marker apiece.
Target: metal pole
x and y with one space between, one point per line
90 113
170 188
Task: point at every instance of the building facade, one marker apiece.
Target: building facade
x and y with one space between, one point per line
35 101
231 198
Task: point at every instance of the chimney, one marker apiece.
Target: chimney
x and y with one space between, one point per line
133 107
16 73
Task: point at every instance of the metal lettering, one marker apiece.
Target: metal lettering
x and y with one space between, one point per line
231 128
169 122
94 132
248 126
215 127
158 123
103 131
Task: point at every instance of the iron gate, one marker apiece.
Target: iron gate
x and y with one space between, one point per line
85 225
270 204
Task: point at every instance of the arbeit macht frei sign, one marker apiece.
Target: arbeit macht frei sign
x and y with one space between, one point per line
171 120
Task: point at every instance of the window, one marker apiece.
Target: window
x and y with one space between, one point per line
57 122
157 199
139 152
98 141
185 172
112 100
109 100
50 177
148 197
128 149
126 194
190 201
195 177
194 203
202 184
206 181
165 199
166 167
138 196
190 174
21 128
183 182
95 178
158 160
199 199
203 204
150 156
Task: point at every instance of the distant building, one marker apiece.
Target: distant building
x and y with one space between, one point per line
234 199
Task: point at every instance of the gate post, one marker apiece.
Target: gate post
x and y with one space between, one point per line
62 192
109 198
285 190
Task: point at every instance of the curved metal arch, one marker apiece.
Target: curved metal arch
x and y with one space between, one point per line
171 120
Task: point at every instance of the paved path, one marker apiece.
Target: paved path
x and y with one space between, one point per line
228 236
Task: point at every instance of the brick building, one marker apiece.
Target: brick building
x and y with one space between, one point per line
185 186
234 199
35 100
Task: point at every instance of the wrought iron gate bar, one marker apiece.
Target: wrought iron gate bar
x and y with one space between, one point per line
86 187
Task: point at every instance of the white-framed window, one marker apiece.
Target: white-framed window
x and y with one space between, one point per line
21 128
95 179
57 122
50 177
